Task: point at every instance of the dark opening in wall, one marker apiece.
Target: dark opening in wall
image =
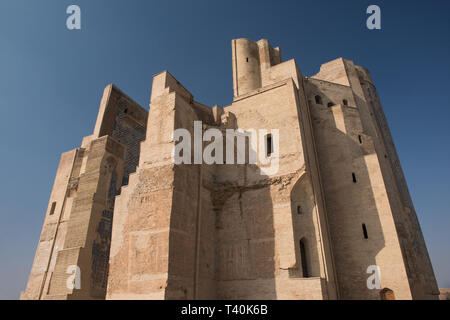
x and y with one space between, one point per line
354 177
387 294
304 257
125 111
246 59
345 102
360 138
330 104
366 236
318 99
269 145
52 209
299 209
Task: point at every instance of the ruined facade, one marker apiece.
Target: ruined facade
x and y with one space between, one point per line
337 205
77 225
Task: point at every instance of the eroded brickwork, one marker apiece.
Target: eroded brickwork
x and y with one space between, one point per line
142 227
77 231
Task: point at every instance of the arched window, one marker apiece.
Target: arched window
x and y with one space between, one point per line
318 99
345 102
330 104
304 257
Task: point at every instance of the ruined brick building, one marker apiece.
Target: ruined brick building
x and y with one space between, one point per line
139 226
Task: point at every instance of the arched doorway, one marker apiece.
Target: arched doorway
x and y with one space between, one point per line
304 256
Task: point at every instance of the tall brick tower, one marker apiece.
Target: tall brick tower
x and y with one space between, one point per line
76 235
337 207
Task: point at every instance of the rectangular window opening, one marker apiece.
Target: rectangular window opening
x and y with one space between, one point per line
354 177
269 145
366 236
52 209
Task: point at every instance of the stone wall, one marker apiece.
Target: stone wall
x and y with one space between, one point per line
77 230
140 226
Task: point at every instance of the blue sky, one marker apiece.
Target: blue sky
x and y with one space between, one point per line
51 81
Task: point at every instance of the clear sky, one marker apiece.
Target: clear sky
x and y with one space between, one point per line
51 81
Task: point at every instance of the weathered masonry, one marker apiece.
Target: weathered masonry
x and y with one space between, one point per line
140 226
77 226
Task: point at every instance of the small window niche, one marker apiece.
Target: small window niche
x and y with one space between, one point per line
365 234
246 59
330 104
360 139
354 177
318 99
345 102
52 208
299 209
269 145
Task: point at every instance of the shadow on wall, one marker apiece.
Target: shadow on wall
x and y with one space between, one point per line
305 236
245 239
353 216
